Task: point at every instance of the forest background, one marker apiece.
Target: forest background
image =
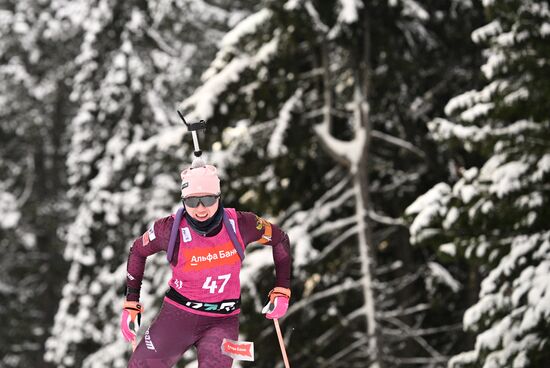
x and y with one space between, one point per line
404 145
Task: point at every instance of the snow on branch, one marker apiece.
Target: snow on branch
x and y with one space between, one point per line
472 97
322 208
336 242
398 142
423 331
204 100
495 60
394 266
440 274
29 183
427 207
299 225
413 9
476 111
343 322
228 44
334 226
386 220
400 361
404 312
506 177
256 260
409 332
317 22
206 97
334 190
394 286
334 290
443 129
349 13
275 146
488 30
360 343
157 38
427 200
9 209
348 152
246 27
543 167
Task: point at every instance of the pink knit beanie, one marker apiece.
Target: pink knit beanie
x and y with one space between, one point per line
199 178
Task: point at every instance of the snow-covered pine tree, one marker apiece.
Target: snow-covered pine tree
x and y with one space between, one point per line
496 214
33 104
136 60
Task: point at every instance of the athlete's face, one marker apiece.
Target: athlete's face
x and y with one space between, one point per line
202 212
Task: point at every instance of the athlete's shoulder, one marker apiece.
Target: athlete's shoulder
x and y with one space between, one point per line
253 227
167 220
163 225
246 216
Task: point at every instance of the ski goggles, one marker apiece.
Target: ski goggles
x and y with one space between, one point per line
207 201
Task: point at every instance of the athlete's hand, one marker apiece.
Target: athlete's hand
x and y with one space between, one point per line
130 319
278 303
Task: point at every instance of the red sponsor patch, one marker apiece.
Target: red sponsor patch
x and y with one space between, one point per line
149 236
238 350
197 259
145 238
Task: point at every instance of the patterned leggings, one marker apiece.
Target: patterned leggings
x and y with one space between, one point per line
175 330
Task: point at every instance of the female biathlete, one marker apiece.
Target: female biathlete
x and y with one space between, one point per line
202 303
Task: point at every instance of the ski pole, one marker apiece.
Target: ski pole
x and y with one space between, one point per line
281 342
134 344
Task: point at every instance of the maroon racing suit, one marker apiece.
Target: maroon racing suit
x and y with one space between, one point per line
178 326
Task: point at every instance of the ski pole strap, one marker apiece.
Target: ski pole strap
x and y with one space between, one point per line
131 290
233 236
174 236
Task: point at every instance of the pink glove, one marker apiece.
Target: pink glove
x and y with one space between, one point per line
278 303
130 319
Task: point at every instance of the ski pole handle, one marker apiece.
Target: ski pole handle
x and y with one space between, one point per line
281 342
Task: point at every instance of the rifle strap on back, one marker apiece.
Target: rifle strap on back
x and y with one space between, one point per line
233 236
174 237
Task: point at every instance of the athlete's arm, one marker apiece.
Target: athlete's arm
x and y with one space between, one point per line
257 229
154 240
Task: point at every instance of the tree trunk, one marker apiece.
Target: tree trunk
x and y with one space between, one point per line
361 180
355 157
368 263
